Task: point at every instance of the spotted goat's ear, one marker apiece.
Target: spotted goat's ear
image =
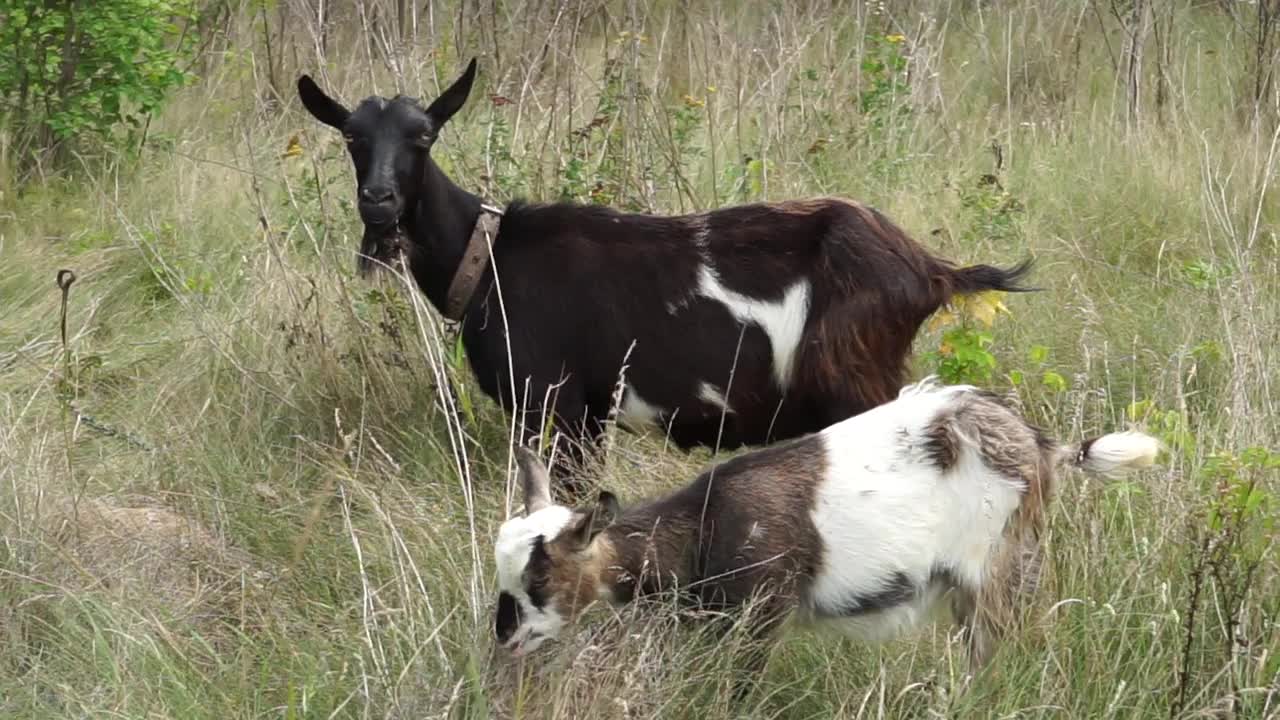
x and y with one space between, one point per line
594 519
534 479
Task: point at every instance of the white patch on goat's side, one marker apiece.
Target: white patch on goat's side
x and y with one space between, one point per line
885 511
782 321
709 394
635 412
880 626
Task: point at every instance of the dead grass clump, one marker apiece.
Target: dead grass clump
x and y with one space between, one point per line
153 561
645 660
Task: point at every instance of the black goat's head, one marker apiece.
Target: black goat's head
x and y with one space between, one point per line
390 144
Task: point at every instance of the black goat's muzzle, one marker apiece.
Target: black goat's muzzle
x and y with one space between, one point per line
386 212
381 246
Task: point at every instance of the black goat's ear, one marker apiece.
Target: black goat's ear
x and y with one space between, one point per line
596 518
451 100
320 105
534 480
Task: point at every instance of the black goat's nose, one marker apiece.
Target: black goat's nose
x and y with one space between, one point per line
376 195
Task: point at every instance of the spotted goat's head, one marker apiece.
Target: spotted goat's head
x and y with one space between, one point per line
549 565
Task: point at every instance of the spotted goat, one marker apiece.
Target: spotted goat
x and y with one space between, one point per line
739 326
938 496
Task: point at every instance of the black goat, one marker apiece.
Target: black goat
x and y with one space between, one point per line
738 326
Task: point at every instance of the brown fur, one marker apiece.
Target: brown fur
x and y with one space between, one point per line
575 573
854 352
1020 452
699 539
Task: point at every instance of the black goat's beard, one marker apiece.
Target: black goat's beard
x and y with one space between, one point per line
383 246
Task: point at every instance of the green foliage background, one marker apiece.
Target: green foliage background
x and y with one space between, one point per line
73 68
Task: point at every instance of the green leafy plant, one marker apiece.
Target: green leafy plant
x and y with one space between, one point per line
1169 426
991 212
963 356
1238 495
591 170
1203 275
744 181
78 68
1233 535
507 178
881 101
1049 378
321 200
686 119
884 74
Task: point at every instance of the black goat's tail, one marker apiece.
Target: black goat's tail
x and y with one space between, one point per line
980 278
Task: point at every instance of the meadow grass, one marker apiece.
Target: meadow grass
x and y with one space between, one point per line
243 488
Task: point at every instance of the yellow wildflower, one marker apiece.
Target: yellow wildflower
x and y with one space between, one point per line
293 149
895 38
982 307
944 317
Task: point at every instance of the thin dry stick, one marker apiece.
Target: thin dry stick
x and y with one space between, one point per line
434 347
64 279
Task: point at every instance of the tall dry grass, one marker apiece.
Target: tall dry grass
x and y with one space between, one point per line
243 489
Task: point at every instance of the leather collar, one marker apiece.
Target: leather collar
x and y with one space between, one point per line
473 264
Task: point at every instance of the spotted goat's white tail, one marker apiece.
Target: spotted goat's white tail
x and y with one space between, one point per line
1112 454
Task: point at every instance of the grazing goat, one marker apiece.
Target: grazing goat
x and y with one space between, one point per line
739 326
868 524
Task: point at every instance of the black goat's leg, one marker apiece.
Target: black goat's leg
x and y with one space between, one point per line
580 441
567 412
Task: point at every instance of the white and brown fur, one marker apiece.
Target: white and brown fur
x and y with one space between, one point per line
866 524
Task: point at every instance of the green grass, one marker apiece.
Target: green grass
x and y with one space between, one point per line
313 549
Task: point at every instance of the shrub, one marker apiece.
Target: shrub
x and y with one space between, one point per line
77 68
